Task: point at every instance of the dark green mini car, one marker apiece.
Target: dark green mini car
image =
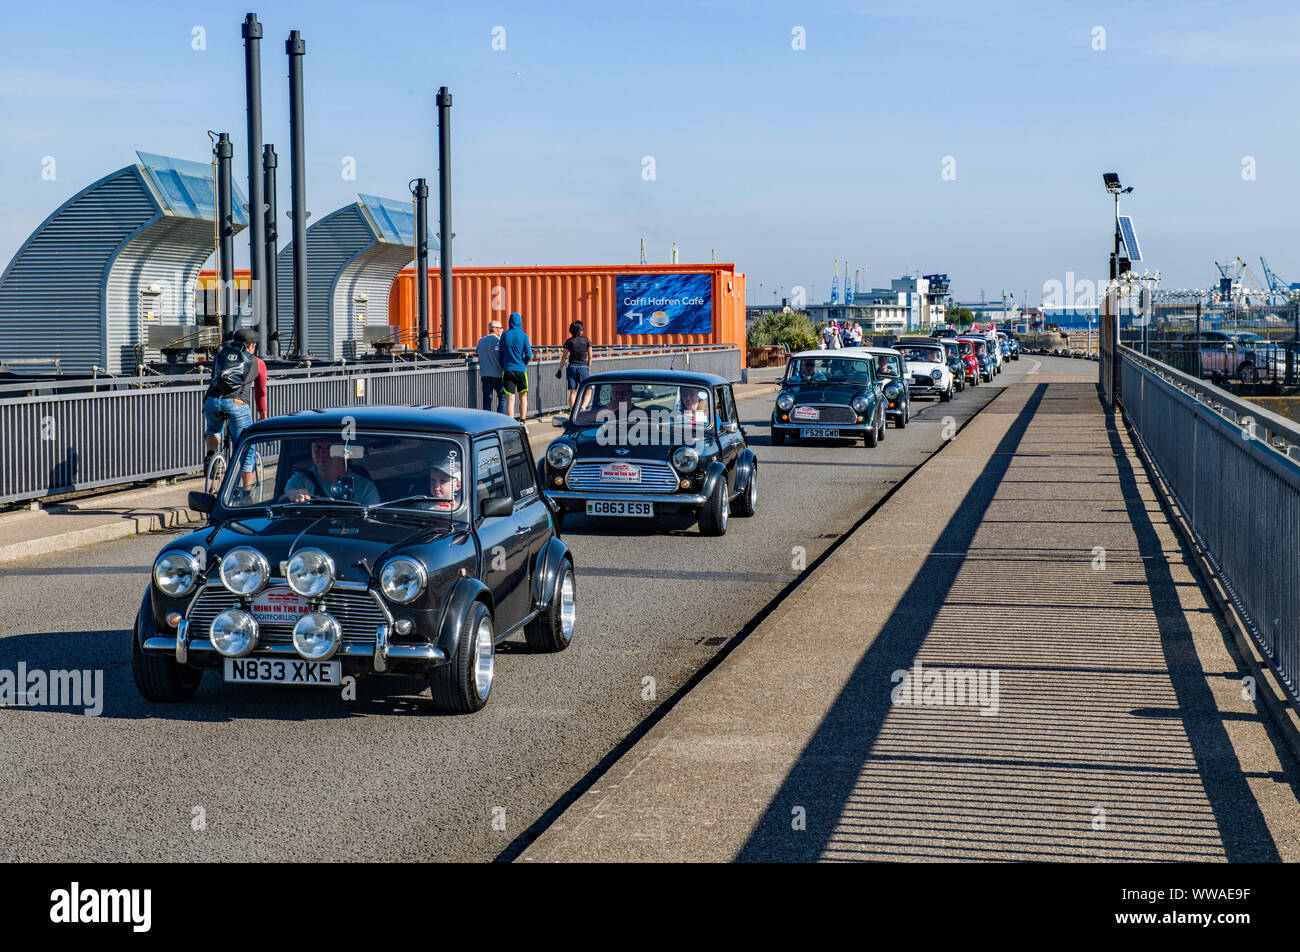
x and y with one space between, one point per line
831 395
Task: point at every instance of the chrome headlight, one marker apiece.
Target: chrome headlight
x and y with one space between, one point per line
310 573
244 571
936 375
233 633
176 573
860 404
685 459
559 455
892 391
785 401
316 636
403 579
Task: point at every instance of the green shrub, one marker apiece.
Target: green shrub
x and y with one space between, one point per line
792 328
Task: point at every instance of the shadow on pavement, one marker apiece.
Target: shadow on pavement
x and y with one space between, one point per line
827 779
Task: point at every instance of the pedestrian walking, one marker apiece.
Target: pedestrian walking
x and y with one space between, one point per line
576 362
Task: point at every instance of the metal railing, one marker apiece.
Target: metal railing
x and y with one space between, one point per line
65 436
1234 470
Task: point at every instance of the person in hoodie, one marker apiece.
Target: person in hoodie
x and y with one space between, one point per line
515 351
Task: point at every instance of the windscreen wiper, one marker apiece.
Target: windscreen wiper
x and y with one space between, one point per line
395 503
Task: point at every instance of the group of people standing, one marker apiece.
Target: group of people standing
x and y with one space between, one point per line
835 335
503 358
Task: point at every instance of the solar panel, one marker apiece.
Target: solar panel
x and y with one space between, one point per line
1130 238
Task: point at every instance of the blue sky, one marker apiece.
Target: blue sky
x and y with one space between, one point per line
781 160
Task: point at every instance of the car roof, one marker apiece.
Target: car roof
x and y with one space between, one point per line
390 417
664 376
874 350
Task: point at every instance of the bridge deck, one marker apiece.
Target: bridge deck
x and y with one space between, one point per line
1111 726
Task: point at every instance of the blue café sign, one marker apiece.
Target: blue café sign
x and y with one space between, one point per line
664 303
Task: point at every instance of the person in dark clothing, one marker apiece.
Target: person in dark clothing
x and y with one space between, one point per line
489 368
238 382
515 352
576 362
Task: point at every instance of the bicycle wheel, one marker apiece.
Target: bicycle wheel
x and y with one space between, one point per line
216 472
260 470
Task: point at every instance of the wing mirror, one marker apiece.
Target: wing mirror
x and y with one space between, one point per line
202 502
497 506
731 428
559 420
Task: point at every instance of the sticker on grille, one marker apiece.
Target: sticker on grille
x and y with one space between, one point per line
655 478
837 414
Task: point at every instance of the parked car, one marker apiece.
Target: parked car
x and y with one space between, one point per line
1243 355
891 369
381 540
927 364
831 395
643 443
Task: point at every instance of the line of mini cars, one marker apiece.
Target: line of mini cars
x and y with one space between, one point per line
414 540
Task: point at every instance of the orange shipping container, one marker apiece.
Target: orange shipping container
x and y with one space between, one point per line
550 298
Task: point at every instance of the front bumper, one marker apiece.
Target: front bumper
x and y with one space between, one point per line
851 428
381 654
926 390
669 499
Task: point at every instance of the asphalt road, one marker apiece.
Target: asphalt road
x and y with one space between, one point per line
263 773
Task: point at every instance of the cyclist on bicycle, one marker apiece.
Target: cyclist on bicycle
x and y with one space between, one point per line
238 378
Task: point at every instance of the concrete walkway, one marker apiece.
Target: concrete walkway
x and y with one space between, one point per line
965 678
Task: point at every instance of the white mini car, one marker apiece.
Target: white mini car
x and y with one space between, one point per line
927 366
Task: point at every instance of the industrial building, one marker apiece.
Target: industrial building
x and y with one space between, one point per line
353 255
108 278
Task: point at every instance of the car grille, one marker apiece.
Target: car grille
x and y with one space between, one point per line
655 478
829 414
359 613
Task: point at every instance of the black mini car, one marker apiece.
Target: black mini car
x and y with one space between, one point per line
642 443
389 540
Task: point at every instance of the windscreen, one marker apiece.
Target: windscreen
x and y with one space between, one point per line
369 470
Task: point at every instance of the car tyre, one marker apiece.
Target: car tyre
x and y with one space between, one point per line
1248 374
713 514
746 504
946 395
901 423
778 438
160 678
552 630
464 684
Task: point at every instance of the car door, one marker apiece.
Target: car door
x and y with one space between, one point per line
730 442
532 516
504 546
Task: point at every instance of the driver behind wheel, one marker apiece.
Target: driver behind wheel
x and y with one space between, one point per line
328 478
